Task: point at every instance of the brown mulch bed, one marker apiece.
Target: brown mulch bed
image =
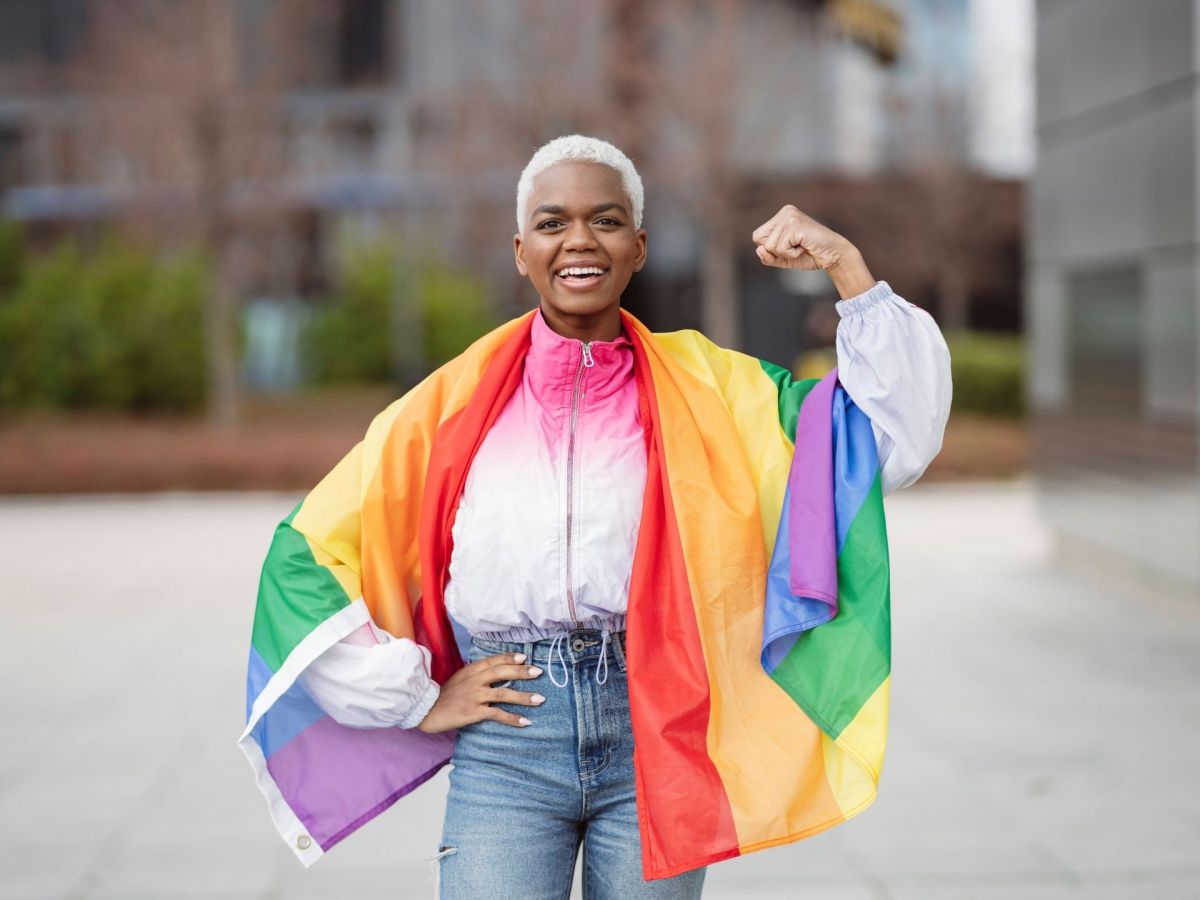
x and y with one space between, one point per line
978 446
282 443
289 443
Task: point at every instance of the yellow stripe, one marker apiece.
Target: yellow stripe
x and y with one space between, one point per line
347 577
853 764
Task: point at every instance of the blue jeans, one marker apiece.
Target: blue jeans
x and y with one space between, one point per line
523 799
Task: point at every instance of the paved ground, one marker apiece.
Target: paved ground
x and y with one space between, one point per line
1043 743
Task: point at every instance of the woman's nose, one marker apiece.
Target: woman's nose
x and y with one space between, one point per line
580 235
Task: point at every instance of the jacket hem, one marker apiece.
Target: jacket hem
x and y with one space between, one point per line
520 633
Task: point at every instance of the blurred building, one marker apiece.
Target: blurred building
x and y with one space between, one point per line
1114 281
865 113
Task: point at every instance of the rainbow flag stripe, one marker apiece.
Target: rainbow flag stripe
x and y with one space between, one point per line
762 519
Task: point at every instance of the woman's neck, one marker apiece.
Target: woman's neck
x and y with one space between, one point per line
601 326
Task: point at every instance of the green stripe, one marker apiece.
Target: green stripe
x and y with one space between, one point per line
835 668
295 595
791 395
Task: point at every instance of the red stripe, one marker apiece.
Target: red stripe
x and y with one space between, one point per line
454 446
683 810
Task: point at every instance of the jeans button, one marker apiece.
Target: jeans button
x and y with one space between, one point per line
577 644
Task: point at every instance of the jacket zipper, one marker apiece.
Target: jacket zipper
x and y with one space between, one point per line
585 361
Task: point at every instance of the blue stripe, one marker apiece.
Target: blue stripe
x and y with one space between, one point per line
462 637
855 461
287 717
258 673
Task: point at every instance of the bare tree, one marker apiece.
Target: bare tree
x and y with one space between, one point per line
945 187
187 126
962 223
688 65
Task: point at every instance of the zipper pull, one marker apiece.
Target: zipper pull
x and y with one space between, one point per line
587 355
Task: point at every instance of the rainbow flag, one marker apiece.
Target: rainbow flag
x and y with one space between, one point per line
762 519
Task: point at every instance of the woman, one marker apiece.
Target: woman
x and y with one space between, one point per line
545 531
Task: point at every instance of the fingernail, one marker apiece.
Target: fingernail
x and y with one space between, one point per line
520 657
534 670
524 721
537 698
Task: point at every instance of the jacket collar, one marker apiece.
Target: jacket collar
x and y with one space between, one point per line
553 363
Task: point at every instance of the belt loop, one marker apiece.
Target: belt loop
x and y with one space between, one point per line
529 652
619 647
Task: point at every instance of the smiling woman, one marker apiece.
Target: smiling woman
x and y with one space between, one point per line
593 566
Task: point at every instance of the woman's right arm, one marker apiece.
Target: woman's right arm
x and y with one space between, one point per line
387 685
371 679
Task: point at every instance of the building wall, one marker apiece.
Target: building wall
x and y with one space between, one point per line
1112 279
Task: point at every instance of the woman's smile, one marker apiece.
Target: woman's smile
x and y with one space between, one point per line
581 277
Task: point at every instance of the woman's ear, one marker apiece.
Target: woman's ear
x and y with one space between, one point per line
640 259
519 252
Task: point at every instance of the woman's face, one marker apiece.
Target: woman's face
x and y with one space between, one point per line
579 215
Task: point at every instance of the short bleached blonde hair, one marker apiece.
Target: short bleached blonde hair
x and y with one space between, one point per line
588 149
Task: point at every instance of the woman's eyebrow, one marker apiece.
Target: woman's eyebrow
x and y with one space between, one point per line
562 209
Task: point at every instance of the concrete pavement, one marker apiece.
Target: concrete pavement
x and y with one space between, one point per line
1043 745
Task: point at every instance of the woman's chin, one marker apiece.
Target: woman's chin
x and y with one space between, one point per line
580 303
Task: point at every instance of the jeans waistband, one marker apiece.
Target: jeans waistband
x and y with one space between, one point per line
577 644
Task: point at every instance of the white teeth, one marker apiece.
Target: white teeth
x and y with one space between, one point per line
587 270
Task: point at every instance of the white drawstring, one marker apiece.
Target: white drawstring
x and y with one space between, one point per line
603 657
556 644
550 660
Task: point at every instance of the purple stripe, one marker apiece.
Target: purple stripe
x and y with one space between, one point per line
336 778
812 526
787 615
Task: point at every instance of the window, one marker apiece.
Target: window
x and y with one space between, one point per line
363 42
1105 340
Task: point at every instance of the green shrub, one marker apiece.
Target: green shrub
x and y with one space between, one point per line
456 312
116 329
40 332
349 340
989 373
12 255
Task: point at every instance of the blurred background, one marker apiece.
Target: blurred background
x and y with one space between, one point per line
231 231
226 221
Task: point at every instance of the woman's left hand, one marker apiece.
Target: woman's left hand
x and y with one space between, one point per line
793 240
